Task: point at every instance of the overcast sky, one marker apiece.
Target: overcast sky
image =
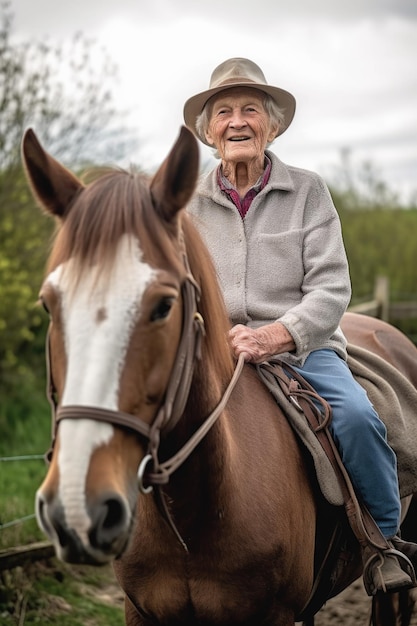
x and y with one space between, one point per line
351 65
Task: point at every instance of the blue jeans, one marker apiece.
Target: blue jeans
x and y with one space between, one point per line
360 436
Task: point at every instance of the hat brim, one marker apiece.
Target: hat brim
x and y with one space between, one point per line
284 99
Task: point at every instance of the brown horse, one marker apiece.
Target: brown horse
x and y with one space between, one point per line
147 394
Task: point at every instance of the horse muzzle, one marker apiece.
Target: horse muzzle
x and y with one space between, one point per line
98 536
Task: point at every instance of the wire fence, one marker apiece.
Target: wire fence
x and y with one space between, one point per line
23 457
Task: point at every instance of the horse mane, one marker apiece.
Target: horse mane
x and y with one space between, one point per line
118 202
211 306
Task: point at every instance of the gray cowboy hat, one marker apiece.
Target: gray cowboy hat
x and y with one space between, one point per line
238 72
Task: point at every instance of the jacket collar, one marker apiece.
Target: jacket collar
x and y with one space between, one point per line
280 178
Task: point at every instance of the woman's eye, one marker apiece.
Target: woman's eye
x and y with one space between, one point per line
162 309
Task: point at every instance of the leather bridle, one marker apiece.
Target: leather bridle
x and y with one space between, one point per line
151 471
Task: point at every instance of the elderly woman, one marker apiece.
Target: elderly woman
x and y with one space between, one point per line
276 241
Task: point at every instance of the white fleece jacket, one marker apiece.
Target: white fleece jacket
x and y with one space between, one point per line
285 261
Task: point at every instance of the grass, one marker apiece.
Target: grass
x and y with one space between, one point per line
51 592
28 433
55 593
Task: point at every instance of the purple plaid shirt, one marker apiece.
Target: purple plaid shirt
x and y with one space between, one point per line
243 204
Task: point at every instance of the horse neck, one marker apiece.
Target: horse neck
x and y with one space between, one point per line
205 394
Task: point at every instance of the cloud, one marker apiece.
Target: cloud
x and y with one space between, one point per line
350 65
44 16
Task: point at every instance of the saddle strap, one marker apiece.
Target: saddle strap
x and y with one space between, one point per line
304 397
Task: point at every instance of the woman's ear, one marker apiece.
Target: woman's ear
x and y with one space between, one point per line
208 137
273 132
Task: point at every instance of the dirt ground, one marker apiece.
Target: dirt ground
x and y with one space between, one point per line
353 608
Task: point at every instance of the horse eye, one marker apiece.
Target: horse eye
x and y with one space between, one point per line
162 309
44 305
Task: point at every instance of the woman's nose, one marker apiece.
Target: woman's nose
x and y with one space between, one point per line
237 119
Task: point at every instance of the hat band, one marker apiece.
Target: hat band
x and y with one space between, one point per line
236 80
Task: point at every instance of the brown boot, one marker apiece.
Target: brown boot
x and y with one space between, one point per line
386 571
406 547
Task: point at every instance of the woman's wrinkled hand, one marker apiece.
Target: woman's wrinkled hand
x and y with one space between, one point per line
260 344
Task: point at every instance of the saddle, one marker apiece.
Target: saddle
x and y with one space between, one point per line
349 526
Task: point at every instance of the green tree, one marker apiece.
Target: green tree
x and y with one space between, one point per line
65 94
361 187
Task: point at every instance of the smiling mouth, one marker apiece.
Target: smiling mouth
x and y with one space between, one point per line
239 139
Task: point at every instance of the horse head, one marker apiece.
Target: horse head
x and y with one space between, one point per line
118 291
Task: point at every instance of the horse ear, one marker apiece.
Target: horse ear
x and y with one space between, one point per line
175 181
53 186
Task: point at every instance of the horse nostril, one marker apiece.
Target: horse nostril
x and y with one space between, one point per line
110 523
113 513
49 517
40 508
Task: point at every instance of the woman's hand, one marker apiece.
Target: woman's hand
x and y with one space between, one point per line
262 343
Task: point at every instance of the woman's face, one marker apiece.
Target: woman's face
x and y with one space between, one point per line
239 126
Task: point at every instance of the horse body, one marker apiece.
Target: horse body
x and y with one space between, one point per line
383 340
230 538
246 560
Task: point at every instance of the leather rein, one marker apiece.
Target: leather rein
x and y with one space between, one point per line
151 471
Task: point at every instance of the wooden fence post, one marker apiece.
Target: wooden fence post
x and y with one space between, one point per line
381 295
379 307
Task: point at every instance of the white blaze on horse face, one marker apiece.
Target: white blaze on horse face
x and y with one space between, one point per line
98 319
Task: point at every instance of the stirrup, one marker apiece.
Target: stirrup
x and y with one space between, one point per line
376 560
